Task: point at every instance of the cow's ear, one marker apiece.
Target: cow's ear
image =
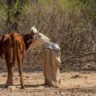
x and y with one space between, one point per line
34 30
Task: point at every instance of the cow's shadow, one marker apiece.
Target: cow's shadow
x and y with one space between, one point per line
2 86
34 86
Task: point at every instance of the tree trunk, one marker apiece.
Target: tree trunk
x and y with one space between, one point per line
51 64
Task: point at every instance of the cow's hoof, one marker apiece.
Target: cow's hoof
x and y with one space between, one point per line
6 86
22 87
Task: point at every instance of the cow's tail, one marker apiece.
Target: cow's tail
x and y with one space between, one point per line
13 49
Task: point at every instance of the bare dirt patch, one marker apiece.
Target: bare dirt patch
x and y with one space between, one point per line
72 84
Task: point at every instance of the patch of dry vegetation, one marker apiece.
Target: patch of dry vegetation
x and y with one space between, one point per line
70 23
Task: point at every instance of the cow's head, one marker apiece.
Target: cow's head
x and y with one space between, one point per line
38 38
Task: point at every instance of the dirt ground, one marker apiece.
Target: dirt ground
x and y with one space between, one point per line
72 84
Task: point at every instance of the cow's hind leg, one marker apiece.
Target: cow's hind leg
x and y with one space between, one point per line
20 55
7 44
10 75
20 66
9 69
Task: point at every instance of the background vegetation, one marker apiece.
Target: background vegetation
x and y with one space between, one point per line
70 23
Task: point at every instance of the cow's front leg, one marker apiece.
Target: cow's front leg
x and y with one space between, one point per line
10 75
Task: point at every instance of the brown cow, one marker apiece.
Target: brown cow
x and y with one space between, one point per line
13 49
14 46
